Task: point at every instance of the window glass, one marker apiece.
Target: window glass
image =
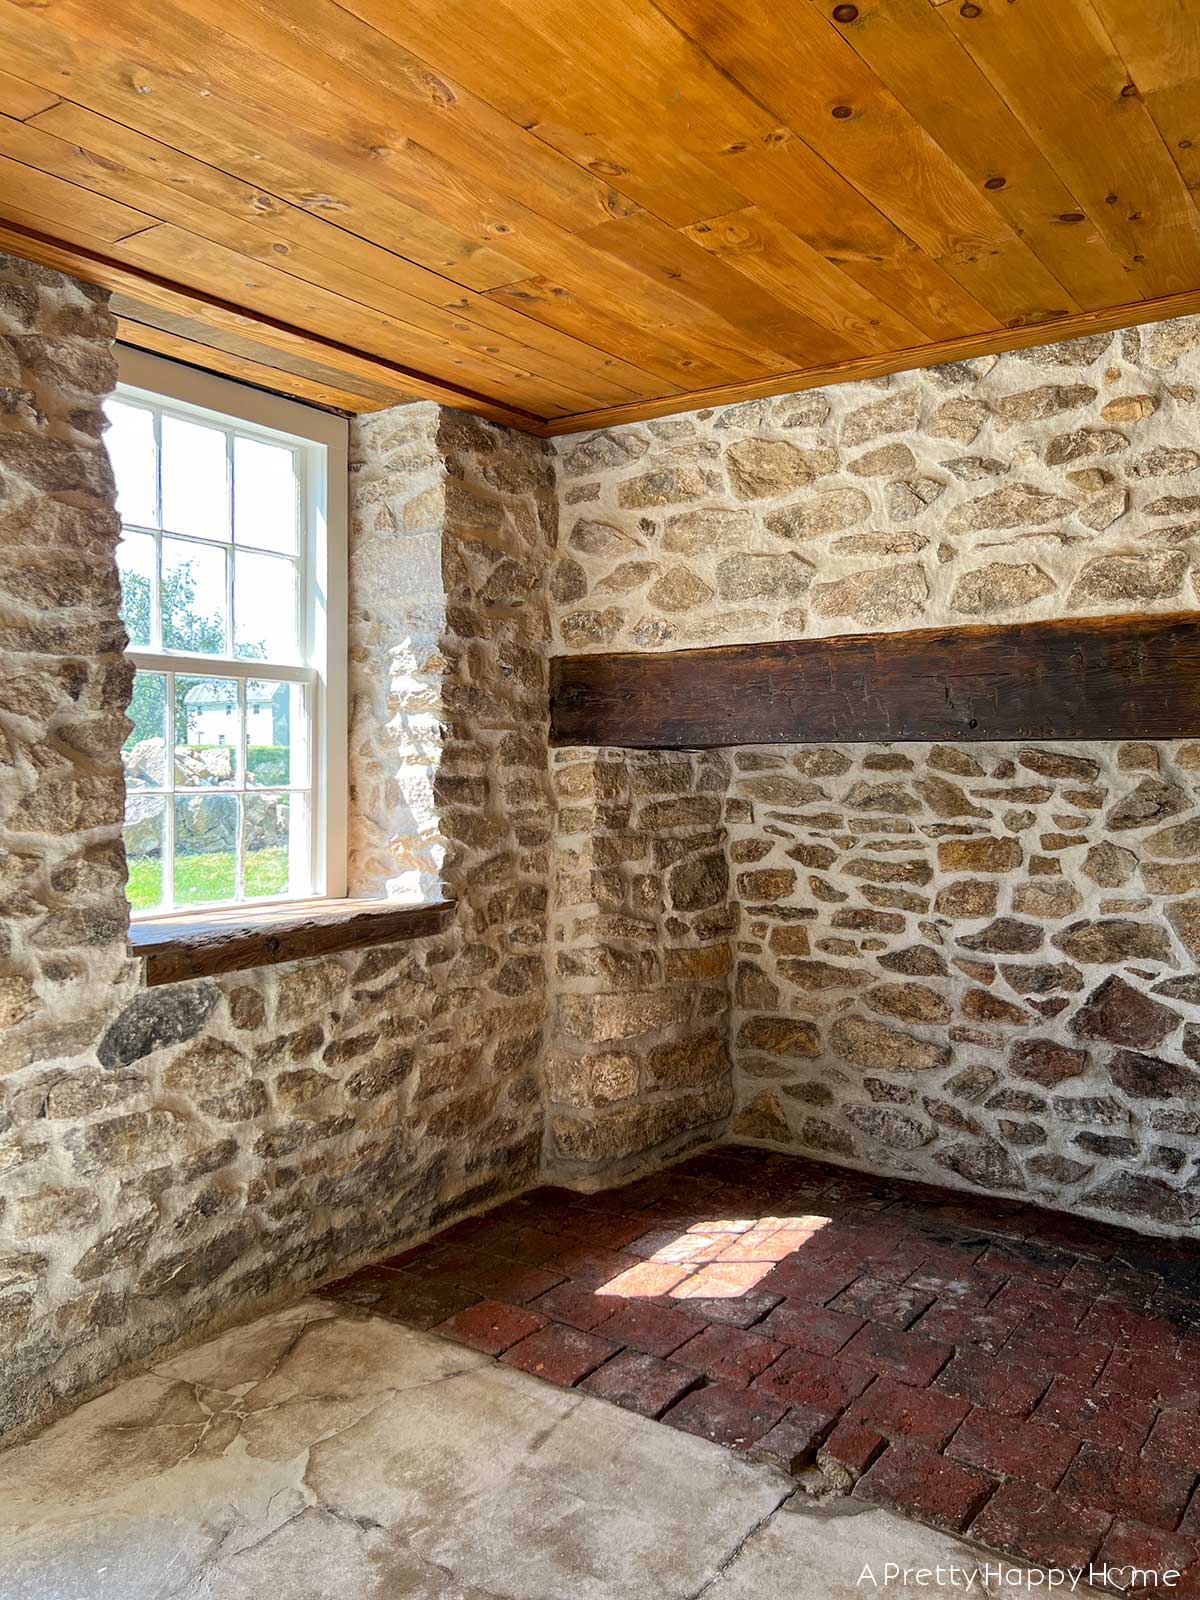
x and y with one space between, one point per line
275 734
265 606
218 763
264 502
269 843
145 844
145 750
206 848
195 479
208 732
137 560
195 608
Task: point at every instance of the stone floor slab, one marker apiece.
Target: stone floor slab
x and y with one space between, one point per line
329 1454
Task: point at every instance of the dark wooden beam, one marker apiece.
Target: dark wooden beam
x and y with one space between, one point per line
179 948
1084 678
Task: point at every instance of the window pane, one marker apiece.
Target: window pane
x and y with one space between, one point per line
193 597
131 449
206 829
136 562
269 845
145 818
195 486
144 751
207 732
264 495
275 734
264 607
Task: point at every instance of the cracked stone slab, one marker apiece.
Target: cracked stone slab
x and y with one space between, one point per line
315 1453
843 1551
318 1453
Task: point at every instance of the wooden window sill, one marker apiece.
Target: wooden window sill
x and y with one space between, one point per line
205 944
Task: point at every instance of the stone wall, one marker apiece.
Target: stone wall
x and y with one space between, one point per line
173 1157
976 963
169 1158
642 958
972 964
1061 480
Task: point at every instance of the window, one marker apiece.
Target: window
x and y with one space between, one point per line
232 566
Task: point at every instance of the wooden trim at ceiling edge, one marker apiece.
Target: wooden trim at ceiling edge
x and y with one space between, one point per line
108 273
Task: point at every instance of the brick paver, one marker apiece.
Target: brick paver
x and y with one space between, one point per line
919 1481
641 1383
560 1355
737 1417
1028 1379
490 1326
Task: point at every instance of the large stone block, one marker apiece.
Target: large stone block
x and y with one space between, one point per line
871 1045
597 1018
156 1019
1119 1013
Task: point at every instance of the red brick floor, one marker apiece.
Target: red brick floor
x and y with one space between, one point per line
1015 1375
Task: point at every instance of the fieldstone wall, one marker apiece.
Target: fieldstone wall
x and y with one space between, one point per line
1062 480
971 963
641 931
976 963
171 1158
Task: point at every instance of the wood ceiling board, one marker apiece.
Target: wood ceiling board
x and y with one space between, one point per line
91 262
1121 171
659 350
20 99
563 253
95 150
782 337
1159 41
578 212
58 203
643 113
763 250
191 56
597 270
818 86
191 261
203 353
929 355
909 48
84 71
109 149
782 176
412 110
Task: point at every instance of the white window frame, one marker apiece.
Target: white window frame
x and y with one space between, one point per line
321 441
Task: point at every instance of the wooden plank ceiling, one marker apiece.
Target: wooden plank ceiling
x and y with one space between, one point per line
565 213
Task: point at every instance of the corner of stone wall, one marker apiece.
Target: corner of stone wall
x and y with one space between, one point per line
454 521
396 848
965 965
637 1068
